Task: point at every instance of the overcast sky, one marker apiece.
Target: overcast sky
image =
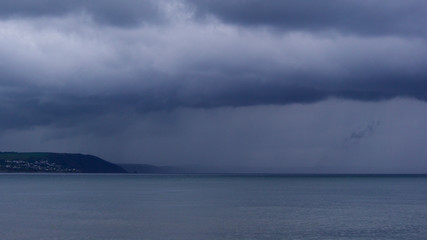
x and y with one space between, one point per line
266 85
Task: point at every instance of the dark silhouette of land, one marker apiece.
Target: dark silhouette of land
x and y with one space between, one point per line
55 163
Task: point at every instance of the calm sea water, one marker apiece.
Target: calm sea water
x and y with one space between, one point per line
119 207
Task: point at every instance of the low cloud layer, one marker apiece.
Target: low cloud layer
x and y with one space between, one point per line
71 64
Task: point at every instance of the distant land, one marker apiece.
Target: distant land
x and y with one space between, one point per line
48 162
40 162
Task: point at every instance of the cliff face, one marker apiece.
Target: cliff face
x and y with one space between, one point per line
55 162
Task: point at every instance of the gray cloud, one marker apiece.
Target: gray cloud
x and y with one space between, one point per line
77 71
121 13
365 17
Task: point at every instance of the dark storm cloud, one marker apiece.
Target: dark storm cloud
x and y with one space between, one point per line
34 106
371 17
59 67
40 107
366 17
126 12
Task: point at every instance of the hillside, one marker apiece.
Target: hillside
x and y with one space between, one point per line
55 162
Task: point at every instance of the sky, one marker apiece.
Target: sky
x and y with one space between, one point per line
333 86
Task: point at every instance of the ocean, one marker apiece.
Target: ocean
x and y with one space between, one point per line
211 207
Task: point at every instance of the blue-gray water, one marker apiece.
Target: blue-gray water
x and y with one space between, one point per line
119 207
